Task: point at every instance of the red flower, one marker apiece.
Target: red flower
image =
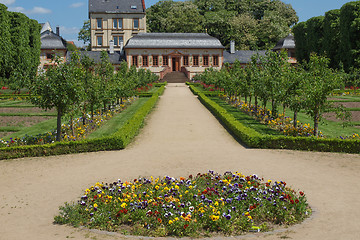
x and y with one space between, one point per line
186 225
301 193
297 200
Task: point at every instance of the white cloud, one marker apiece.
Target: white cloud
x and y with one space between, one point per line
69 30
77 5
39 10
7 2
35 10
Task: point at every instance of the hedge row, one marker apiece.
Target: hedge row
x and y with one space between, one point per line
117 141
252 138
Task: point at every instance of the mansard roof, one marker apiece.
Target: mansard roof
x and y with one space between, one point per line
116 6
174 40
116 58
285 43
244 56
49 40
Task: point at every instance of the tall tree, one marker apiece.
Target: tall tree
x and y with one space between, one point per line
85 33
332 37
5 39
226 20
301 48
170 16
350 35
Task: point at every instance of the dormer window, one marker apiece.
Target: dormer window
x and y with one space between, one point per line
133 7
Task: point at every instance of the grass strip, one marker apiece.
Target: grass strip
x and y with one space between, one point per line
115 123
42 127
21 114
245 119
17 106
10 129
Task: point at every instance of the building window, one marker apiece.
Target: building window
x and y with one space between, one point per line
99 23
117 23
136 23
155 60
50 56
216 61
165 60
118 40
196 60
145 61
99 40
206 60
135 61
186 60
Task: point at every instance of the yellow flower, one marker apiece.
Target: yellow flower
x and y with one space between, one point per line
157 187
216 203
214 217
250 217
123 205
95 205
171 222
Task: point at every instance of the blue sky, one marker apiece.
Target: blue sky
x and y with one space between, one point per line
71 14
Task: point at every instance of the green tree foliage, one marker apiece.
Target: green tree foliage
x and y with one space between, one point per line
332 37
60 88
271 78
315 35
253 24
170 16
85 34
300 35
337 36
350 35
320 82
6 45
20 48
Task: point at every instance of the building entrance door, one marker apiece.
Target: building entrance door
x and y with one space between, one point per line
176 64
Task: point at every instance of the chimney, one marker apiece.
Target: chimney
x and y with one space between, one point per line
58 30
121 46
111 44
232 47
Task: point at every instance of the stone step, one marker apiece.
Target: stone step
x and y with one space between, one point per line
175 77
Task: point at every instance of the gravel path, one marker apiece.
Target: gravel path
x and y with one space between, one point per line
180 138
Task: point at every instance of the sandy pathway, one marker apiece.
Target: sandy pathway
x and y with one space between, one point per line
181 137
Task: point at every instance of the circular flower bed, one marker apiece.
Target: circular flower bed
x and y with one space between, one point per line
199 205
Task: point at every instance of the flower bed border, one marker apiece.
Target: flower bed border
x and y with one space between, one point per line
253 139
118 140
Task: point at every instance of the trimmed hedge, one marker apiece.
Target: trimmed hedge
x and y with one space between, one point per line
252 138
118 140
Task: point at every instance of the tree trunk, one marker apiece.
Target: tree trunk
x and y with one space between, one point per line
316 123
58 125
256 103
72 126
92 111
295 118
273 108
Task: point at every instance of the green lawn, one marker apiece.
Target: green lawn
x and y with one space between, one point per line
115 123
328 128
42 127
246 119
